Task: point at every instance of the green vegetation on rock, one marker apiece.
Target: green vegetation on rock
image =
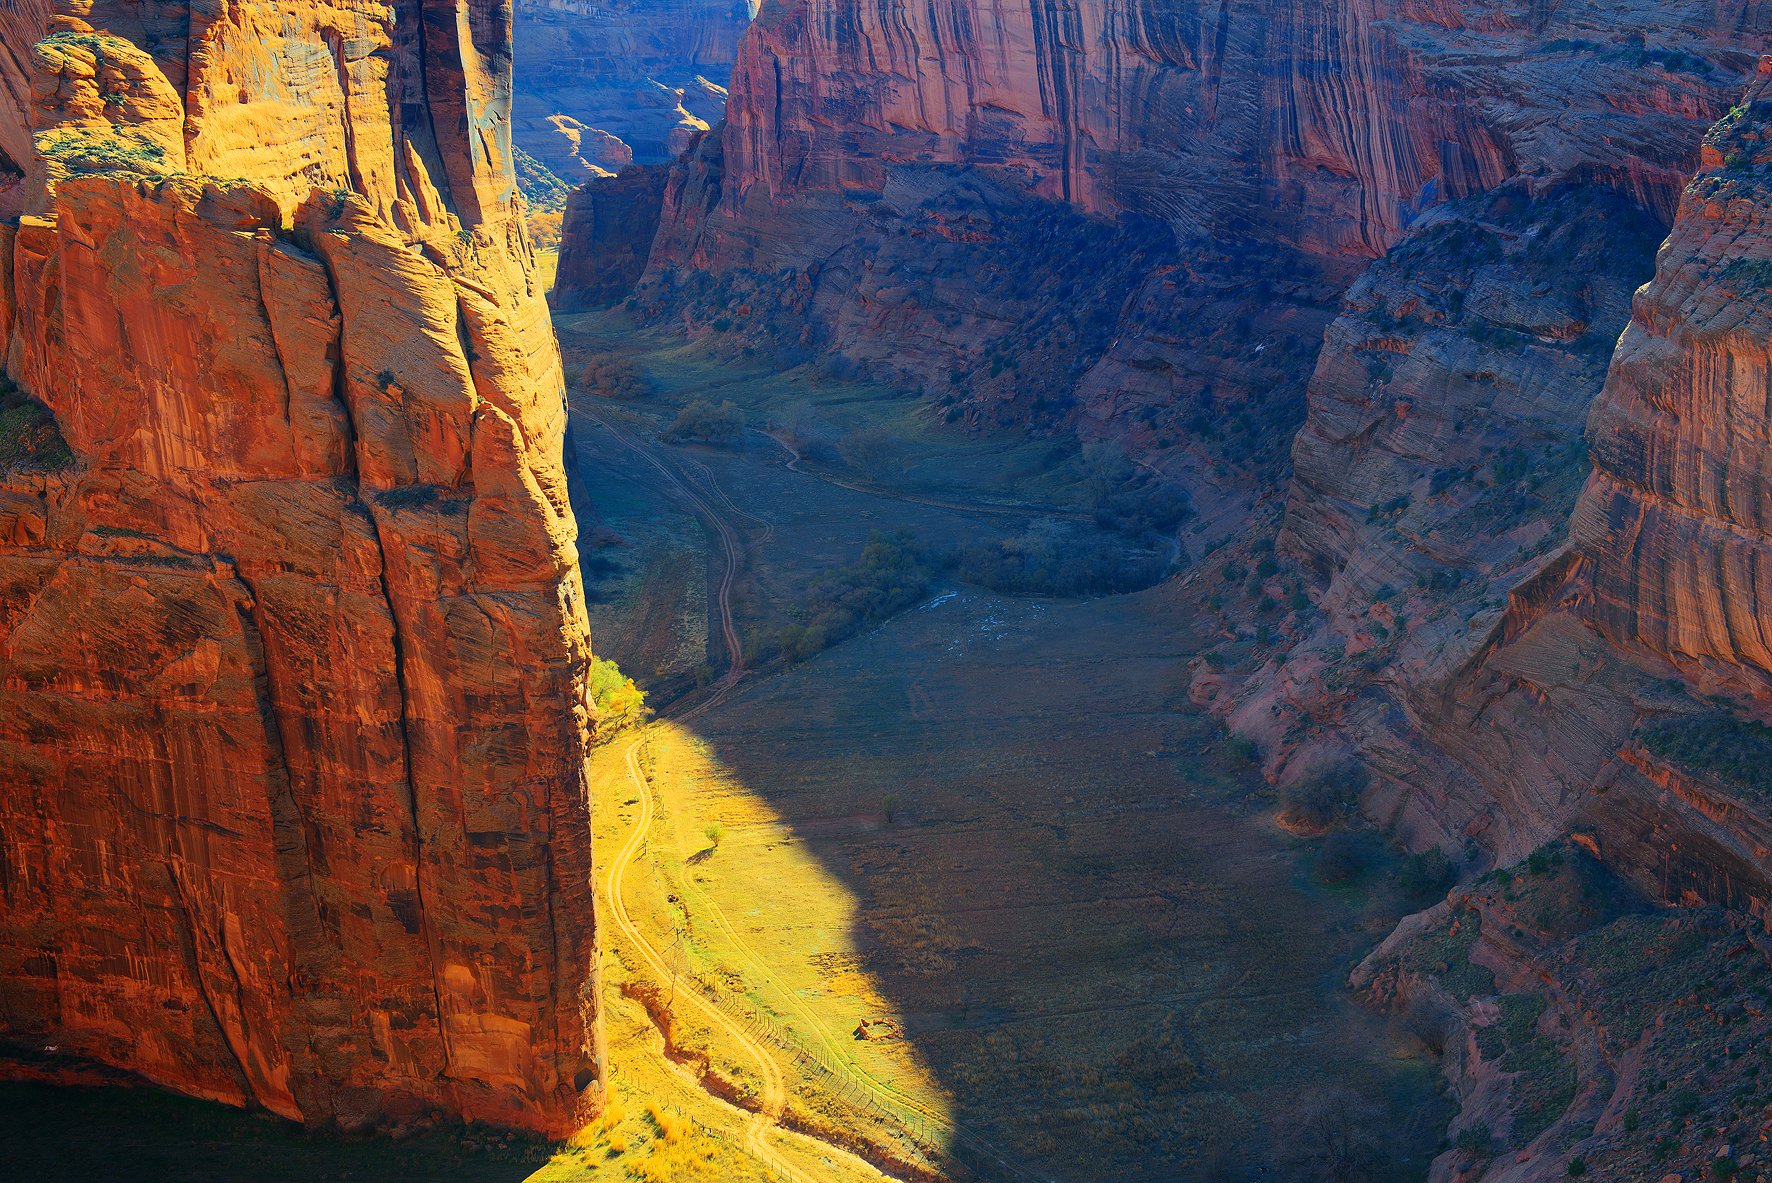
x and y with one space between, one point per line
1737 753
29 437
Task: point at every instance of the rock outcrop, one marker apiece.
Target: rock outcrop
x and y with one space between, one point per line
293 655
1677 521
1489 645
601 85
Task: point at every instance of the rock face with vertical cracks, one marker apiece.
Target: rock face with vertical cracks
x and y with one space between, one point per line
882 167
1677 520
292 646
1496 631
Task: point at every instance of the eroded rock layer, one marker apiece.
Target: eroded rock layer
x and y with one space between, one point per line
1514 673
1677 521
292 643
877 162
602 84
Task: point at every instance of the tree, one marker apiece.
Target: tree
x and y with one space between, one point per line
872 451
703 421
1331 1137
715 831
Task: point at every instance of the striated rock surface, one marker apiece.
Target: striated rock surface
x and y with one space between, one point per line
1282 147
292 647
1677 521
606 238
1526 651
601 85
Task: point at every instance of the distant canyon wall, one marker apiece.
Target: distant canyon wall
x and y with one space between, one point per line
293 653
917 188
602 85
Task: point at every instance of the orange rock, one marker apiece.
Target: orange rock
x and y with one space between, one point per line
293 657
1678 517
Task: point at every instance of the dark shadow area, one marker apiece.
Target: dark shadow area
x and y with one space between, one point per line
55 1134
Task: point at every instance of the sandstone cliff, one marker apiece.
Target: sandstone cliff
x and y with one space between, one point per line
1435 476
600 85
877 163
292 646
1676 519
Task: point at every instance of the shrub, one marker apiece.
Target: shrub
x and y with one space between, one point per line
893 573
872 451
1737 752
29 436
1426 876
1475 1138
614 377
1058 563
1577 1167
703 421
1429 1024
1346 857
1325 796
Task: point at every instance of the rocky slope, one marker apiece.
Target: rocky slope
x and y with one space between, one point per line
1435 477
292 646
1517 672
601 85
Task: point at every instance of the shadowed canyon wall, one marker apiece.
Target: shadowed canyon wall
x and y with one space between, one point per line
1137 220
1496 664
292 646
600 85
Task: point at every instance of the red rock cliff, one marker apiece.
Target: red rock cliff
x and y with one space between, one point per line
1677 520
292 647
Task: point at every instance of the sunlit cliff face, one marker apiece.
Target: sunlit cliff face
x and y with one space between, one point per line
292 640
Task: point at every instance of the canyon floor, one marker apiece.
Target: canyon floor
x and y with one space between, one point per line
973 891
980 879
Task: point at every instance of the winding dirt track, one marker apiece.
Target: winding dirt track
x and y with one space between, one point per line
774 1092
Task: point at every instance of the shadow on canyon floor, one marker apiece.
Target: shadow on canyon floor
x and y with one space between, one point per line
989 841
989 834
56 1134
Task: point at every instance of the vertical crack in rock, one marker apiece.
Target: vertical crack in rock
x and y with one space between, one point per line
237 296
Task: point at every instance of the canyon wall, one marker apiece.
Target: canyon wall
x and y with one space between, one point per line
1677 520
919 189
601 85
1505 654
293 704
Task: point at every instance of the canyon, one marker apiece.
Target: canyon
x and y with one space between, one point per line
293 653
1366 259
1201 568
599 86
1349 279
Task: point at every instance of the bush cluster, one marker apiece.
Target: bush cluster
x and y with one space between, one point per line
703 422
893 573
614 377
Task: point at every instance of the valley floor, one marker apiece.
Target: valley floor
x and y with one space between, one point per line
990 892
